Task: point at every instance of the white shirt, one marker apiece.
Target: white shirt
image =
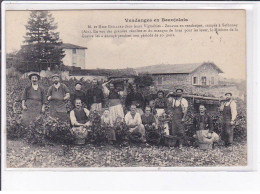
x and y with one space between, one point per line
35 87
73 117
176 102
129 120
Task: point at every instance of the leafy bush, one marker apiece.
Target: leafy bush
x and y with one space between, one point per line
46 128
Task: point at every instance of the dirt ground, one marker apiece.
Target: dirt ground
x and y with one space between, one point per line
23 155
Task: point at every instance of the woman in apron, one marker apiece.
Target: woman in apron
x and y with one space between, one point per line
33 100
114 102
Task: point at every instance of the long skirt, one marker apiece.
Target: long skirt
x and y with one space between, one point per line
34 108
202 137
116 111
159 112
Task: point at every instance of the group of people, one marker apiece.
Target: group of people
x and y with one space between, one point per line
139 113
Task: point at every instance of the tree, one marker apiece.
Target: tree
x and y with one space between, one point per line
42 47
144 80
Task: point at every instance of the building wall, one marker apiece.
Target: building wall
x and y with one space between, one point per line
74 59
67 59
177 79
208 71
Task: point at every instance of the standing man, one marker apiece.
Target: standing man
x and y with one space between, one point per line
135 97
95 97
229 112
134 122
179 112
78 93
57 94
203 126
33 99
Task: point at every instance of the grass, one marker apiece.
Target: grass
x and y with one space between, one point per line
23 155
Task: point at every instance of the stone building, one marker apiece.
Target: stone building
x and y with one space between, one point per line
74 55
185 75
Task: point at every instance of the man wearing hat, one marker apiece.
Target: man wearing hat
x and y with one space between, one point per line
229 113
57 94
179 107
33 99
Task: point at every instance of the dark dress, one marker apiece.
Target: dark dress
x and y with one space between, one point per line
94 95
161 103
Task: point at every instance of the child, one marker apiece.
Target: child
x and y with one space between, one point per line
107 124
163 121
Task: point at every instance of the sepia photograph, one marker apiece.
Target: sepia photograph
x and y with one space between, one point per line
125 88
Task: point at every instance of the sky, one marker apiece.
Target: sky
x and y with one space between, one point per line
226 49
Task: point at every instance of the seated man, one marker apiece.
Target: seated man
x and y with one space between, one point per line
80 122
134 122
202 123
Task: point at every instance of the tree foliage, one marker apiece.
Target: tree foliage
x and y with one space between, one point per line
42 47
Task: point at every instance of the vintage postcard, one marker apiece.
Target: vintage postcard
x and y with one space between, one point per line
125 88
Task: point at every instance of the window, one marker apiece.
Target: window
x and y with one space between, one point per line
203 81
212 81
74 51
160 80
195 81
